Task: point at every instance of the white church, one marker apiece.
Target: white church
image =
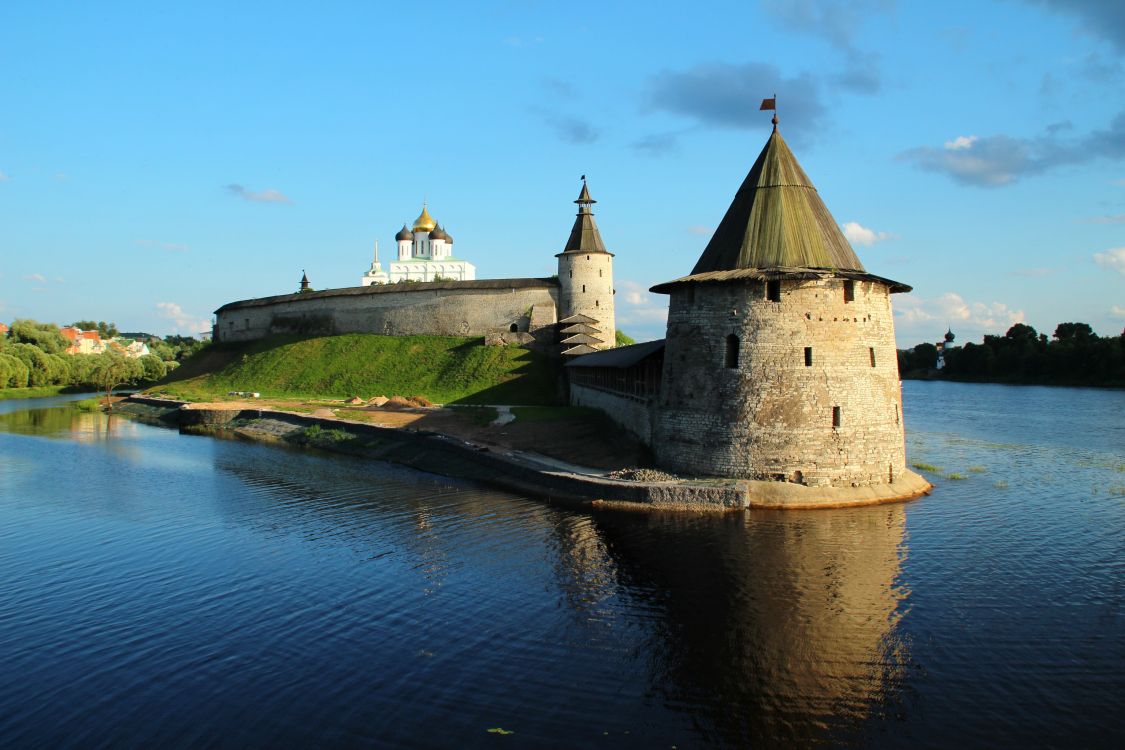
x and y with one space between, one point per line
425 253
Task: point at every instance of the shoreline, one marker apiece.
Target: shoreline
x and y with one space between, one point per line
521 471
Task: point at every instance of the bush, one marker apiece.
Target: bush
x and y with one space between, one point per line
13 372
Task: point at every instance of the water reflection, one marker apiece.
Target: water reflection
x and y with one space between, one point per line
775 627
68 423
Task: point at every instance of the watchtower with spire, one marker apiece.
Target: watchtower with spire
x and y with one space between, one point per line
780 360
585 307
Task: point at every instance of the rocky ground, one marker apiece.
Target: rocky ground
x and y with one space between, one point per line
574 436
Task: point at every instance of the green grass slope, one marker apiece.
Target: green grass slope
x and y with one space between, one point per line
443 369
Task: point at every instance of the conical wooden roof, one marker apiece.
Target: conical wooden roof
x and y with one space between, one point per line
777 220
584 235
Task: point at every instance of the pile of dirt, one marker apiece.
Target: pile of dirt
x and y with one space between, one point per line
642 475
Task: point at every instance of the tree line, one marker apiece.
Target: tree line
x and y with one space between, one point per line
33 354
1073 355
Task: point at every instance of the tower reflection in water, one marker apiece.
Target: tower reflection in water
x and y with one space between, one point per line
775 626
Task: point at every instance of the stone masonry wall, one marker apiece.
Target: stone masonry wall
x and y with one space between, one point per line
771 416
453 309
586 288
632 414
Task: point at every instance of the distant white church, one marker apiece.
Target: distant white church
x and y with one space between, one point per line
425 253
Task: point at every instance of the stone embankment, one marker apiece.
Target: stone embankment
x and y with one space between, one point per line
521 471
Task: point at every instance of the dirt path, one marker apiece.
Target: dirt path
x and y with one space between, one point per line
574 437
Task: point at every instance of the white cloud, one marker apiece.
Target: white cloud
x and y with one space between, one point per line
38 278
185 324
952 308
640 313
961 142
1117 311
1113 259
1034 272
269 195
700 230
858 234
3 177
1106 219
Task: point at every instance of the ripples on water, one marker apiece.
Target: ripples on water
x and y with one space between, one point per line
161 589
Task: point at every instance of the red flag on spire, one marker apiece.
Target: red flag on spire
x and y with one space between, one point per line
768 104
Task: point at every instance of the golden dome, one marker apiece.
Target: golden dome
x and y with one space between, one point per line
424 222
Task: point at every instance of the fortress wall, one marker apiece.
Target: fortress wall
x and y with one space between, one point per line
771 417
632 414
441 309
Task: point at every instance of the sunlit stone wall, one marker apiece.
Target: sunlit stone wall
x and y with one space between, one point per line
759 406
472 308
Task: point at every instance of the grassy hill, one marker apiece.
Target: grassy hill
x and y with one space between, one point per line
443 369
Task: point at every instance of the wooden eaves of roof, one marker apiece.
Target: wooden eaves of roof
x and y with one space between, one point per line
580 349
619 357
582 338
581 328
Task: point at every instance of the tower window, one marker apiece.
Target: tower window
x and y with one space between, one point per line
773 290
597 303
583 288
513 328
731 358
849 291
808 356
835 417
572 274
599 273
871 351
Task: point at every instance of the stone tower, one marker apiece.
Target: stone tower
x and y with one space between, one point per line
586 285
780 360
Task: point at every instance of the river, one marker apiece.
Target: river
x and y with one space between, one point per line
166 590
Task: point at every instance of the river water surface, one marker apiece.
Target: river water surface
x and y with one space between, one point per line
165 590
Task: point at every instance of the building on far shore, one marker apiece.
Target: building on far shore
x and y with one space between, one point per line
944 346
425 253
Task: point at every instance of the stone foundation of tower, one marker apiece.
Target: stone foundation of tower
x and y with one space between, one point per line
804 389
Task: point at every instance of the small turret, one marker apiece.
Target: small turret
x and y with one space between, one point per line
586 277
304 283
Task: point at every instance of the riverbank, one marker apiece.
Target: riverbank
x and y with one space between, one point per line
43 391
551 478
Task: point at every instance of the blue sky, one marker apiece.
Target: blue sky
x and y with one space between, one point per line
156 163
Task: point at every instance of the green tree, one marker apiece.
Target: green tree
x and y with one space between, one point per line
153 367
1079 332
45 336
921 357
620 338
13 372
114 370
40 369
